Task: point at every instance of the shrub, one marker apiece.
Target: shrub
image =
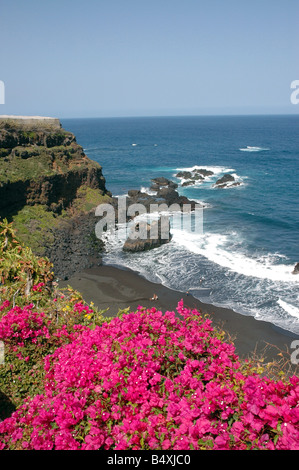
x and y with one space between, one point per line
148 380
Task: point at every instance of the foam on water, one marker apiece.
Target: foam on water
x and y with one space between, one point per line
253 149
204 265
290 309
215 247
148 191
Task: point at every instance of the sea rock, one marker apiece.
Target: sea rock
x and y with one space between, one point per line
191 177
162 182
171 196
184 174
146 236
195 178
166 193
204 172
189 183
296 269
225 181
134 193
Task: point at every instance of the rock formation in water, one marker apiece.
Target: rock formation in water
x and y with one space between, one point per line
148 235
189 178
226 181
296 269
163 192
163 197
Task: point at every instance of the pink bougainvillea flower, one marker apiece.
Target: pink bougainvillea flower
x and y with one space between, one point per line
145 380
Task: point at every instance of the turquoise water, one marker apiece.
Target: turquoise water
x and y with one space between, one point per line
245 256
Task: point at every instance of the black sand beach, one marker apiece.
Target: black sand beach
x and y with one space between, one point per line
115 288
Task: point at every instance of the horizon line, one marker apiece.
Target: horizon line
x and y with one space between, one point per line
180 115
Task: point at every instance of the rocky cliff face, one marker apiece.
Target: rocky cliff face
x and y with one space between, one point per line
48 187
41 163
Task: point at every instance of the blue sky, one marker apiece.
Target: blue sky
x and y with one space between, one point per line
98 58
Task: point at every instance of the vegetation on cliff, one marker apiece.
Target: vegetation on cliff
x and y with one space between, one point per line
74 379
33 155
48 188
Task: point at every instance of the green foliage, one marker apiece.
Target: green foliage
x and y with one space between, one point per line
34 227
19 268
27 161
18 169
89 198
20 378
29 135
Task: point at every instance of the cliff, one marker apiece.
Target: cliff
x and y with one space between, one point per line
41 163
48 187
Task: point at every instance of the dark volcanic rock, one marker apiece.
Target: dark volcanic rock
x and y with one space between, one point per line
193 176
296 269
226 180
146 236
141 202
161 182
188 183
184 174
171 196
134 193
165 195
204 172
197 177
75 246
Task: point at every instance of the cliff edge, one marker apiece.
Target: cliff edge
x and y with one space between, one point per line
48 187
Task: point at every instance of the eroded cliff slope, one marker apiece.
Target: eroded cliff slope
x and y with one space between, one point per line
49 188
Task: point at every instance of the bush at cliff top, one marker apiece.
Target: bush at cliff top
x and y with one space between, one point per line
35 319
148 380
29 335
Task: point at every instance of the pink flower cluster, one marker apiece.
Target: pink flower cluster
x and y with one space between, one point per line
38 287
21 324
81 308
4 305
150 380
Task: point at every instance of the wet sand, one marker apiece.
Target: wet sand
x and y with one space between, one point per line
115 288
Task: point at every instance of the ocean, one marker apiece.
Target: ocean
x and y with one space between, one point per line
244 257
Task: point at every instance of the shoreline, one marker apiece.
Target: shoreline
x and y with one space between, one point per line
117 288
